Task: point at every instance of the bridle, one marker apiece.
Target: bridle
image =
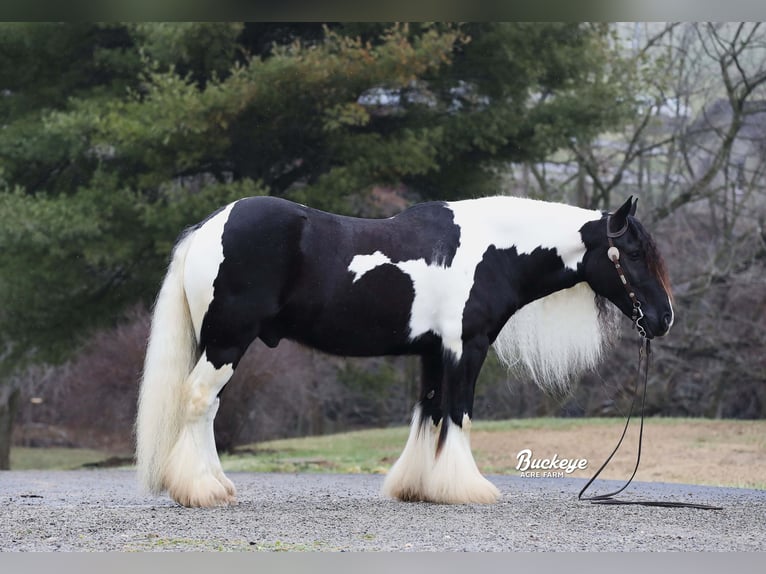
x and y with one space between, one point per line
644 350
614 256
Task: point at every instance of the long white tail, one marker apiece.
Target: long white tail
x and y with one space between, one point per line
170 357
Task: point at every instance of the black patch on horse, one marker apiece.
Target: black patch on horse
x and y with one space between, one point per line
504 280
285 274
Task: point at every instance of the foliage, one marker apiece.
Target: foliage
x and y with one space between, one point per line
71 261
117 136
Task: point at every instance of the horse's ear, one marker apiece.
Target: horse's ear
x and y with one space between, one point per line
619 219
633 207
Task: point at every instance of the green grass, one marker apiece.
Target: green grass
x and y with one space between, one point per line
23 458
373 451
366 451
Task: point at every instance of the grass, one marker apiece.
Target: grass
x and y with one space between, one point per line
23 458
697 451
369 451
366 451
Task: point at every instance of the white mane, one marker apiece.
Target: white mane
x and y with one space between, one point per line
558 337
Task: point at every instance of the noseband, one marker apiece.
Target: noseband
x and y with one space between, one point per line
614 257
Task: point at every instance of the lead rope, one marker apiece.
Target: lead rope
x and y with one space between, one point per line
644 349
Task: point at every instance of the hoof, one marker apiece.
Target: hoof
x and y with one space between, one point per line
204 491
448 477
403 492
227 484
475 490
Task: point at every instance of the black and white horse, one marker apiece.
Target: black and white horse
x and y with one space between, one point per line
440 280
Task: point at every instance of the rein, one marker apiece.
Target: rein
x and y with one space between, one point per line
644 351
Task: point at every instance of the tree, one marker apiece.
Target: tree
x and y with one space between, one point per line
117 136
694 155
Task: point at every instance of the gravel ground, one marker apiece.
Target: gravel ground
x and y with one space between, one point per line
102 510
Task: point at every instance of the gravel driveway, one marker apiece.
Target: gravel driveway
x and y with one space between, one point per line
102 510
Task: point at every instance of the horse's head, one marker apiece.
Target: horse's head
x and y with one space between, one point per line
622 264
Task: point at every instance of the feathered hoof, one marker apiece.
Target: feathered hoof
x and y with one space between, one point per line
476 490
204 491
479 491
441 484
394 488
448 477
227 484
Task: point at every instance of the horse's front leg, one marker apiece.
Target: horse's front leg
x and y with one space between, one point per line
437 464
455 478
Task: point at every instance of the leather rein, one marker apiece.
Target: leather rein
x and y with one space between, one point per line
644 353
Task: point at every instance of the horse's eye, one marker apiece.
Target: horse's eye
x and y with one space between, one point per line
634 255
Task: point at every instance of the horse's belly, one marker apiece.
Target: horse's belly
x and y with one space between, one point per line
363 318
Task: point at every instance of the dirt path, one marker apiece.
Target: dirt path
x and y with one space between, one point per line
719 453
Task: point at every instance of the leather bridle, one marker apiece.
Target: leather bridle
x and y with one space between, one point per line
614 256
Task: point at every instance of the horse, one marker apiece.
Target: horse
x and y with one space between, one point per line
543 283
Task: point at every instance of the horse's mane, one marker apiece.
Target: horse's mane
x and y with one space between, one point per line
554 339
654 259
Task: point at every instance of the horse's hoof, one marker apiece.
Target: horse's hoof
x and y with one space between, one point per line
478 490
205 492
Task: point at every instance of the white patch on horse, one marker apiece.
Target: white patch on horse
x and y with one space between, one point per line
442 292
672 316
361 264
202 264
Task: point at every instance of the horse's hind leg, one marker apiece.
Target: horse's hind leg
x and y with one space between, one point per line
408 477
193 474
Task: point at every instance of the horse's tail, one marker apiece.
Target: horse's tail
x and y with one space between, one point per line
170 356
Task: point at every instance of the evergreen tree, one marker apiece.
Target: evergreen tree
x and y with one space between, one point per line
117 136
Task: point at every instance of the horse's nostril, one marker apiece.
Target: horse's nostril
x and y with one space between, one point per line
667 321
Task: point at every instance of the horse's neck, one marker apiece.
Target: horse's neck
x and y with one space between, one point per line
525 224
547 281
